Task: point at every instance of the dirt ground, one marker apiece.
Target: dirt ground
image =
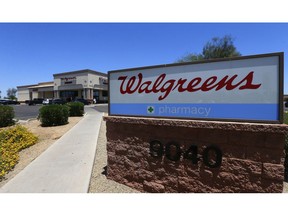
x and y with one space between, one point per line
47 136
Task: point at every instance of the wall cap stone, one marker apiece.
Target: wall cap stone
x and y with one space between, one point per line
200 124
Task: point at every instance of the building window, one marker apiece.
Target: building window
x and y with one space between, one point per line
68 94
96 93
105 93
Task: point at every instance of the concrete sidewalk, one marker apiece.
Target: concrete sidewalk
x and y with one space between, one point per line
66 166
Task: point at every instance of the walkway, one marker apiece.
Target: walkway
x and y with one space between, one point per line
66 166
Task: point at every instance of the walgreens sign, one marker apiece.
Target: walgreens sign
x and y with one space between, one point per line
240 89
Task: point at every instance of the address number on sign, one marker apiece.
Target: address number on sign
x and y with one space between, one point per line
211 155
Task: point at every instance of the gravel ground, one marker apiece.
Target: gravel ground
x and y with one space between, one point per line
99 183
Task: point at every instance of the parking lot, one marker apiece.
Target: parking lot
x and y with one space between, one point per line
101 108
25 112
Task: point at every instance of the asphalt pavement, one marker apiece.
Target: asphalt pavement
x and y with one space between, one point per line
101 108
25 112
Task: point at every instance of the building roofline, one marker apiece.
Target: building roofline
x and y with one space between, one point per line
26 86
41 86
80 71
46 83
51 83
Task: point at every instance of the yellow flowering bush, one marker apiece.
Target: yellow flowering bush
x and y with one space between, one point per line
12 141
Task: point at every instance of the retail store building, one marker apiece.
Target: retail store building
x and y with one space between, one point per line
87 84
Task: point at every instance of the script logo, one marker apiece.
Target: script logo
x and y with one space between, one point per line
136 84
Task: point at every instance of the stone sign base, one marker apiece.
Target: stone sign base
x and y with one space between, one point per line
164 155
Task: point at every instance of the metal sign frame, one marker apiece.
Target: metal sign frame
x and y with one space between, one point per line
280 56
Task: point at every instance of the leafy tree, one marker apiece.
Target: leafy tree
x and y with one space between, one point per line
190 57
220 48
216 48
11 93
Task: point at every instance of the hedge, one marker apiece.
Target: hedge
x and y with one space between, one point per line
286 150
6 116
75 108
286 160
53 115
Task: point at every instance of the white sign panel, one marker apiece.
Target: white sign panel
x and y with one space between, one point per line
244 89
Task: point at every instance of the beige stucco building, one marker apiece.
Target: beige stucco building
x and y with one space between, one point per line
87 84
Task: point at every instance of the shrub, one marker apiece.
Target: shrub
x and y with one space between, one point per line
286 160
6 116
12 141
76 108
286 150
53 115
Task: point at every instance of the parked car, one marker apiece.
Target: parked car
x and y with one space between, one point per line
85 102
34 101
3 102
58 101
47 101
13 102
9 102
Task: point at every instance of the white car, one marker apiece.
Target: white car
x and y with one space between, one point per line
47 101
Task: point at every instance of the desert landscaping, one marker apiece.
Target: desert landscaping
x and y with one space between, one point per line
46 137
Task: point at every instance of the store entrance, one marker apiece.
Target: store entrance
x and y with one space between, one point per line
68 95
96 94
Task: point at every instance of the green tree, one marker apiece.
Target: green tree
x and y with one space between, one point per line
190 57
216 48
11 93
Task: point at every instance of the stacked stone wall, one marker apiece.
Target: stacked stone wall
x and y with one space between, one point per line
155 155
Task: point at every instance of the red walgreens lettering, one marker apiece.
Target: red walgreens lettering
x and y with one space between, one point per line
134 84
